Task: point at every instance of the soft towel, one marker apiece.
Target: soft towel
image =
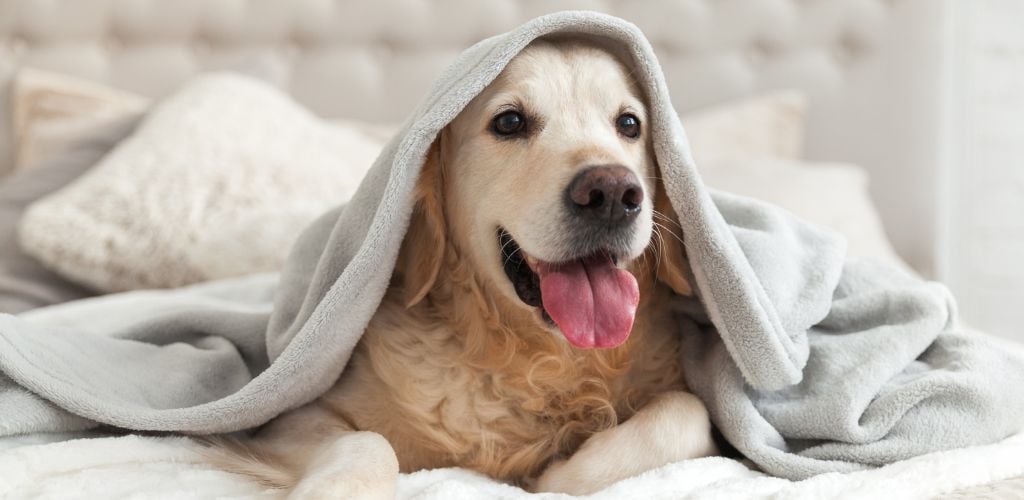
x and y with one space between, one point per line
808 364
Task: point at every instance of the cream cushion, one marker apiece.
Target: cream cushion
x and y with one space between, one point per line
217 181
768 126
222 176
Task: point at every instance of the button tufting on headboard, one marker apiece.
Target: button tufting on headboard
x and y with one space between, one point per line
847 49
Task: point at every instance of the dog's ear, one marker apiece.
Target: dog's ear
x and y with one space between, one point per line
423 248
673 266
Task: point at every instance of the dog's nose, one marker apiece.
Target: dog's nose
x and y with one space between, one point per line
608 195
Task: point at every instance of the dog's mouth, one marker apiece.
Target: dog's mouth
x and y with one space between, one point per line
590 299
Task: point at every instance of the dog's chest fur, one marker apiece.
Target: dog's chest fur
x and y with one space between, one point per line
458 381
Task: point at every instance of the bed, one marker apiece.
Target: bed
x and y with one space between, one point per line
866 72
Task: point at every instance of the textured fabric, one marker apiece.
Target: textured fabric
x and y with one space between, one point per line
219 179
808 365
24 282
64 126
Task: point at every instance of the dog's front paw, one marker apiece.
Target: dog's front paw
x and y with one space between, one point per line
673 427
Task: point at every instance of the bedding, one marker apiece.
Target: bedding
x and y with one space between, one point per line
170 467
808 364
223 175
25 283
200 177
63 126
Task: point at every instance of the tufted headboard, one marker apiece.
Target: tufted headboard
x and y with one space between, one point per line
871 68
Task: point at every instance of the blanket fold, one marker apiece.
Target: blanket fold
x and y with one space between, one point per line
808 364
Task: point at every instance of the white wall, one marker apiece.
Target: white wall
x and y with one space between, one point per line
982 194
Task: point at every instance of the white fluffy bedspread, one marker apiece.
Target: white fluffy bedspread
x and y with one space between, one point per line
137 467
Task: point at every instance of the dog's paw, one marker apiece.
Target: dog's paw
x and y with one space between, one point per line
358 466
673 427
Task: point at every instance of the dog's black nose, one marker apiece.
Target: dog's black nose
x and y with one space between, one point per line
608 195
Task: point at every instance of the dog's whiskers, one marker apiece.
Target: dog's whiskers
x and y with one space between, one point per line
658 248
669 231
508 257
665 218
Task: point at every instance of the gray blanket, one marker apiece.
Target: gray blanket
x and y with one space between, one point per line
808 364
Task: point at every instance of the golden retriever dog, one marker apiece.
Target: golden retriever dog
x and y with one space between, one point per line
526 333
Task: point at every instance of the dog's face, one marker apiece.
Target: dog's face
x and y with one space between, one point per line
548 182
561 123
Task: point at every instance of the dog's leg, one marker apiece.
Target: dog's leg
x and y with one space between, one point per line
675 426
315 454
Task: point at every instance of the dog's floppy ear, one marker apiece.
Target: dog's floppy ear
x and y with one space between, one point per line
423 248
673 266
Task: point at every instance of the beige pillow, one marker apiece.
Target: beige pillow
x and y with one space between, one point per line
51 111
831 194
166 209
217 181
770 125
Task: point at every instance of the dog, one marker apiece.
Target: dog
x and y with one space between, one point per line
526 333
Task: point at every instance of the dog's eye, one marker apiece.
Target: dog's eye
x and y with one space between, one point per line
628 125
509 123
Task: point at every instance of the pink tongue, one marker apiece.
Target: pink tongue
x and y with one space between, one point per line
592 301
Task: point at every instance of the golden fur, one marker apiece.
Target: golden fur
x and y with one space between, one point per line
454 370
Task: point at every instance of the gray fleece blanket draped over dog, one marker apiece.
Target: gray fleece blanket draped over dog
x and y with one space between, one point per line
808 364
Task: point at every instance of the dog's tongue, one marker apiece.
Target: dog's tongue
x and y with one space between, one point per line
592 301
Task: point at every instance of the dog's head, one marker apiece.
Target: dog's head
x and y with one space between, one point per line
547 184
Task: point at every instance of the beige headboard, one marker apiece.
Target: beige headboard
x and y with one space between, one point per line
871 68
